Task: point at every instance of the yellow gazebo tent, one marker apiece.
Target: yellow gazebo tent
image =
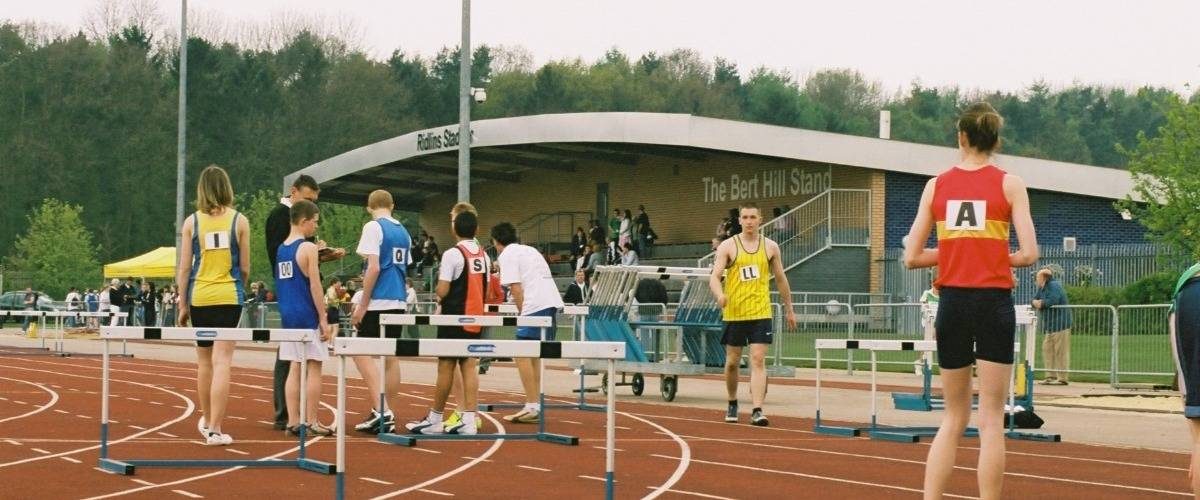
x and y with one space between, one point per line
157 263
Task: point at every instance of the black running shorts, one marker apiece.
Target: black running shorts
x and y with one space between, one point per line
741 333
370 325
1186 343
975 323
226 316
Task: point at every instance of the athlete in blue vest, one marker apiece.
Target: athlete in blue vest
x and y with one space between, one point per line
385 246
301 305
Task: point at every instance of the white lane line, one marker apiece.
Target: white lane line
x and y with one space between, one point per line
143 482
53 399
112 442
132 398
234 396
235 418
480 458
376 481
261 400
685 457
65 412
487 453
435 492
19 402
571 422
177 406
596 478
83 416
72 460
264 422
2 398
187 494
694 494
136 427
418 405
622 428
39 450
356 398
809 476
104 471
530 467
603 448
167 434
9 441
156 403
425 450
239 452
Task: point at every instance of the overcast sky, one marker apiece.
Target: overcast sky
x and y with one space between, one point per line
1002 45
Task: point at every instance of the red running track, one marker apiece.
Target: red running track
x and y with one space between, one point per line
49 409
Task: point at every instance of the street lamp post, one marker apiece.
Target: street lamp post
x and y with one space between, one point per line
464 106
182 140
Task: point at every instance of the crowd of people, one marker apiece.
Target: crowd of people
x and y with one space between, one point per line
624 240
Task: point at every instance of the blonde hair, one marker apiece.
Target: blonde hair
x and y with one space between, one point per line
379 199
461 207
213 190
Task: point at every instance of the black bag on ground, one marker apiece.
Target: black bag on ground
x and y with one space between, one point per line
1024 419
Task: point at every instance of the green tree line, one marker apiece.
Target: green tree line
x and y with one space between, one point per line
91 120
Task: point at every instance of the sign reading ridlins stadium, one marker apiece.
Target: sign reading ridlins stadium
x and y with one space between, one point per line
430 140
775 183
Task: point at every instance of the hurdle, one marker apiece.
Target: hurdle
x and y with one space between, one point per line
353 346
58 348
128 467
390 321
578 315
906 434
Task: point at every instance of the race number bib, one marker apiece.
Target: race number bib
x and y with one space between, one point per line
966 215
216 240
477 265
285 270
398 257
748 273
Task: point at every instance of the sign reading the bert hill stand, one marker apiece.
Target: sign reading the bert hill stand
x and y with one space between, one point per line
775 183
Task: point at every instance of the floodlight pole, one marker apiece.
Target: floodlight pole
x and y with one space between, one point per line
464 106
182 140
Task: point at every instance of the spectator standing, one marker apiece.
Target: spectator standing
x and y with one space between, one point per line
1056 346
117 299
29 303
643 232
430 250
74 302
578 246
333 305
149 301
614 224
626 230
105 300
596 233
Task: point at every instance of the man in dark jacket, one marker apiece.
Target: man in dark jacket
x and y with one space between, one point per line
577 292
1056 347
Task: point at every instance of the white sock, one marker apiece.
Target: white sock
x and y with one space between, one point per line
532 407
434 416
468 418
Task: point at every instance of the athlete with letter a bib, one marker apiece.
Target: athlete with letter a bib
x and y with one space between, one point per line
744 261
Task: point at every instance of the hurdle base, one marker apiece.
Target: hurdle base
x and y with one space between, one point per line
558 439
317 466
910 402
117 466
912 434
838 431
1034 436
397 439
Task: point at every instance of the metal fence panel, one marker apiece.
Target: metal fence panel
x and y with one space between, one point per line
1092 339
1144 347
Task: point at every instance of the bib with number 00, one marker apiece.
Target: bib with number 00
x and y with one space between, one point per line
398 256
285 270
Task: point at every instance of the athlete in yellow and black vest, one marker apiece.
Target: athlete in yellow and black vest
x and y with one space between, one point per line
743 261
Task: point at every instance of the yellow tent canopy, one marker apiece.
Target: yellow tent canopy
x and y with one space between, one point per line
157 263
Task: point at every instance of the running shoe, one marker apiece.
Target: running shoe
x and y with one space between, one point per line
424 426
461 427
524 416
376 423
456 418
320 430
202 428
731 413
218 439
757 418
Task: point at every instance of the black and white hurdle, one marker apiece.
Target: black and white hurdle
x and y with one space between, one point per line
58 347
578 315
346 346
128 467
906 434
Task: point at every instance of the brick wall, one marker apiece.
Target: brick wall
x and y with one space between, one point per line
1091 220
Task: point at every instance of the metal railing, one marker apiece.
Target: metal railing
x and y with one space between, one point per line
544 230
1143 347
836 217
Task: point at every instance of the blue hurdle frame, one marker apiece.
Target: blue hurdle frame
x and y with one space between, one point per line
128 467
578 314
411 347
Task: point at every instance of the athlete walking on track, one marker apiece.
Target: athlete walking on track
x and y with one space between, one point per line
745 300
972 205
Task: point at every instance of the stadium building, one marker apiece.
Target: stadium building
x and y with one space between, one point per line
851 198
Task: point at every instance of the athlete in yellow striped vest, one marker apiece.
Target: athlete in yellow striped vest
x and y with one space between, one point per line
743 261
